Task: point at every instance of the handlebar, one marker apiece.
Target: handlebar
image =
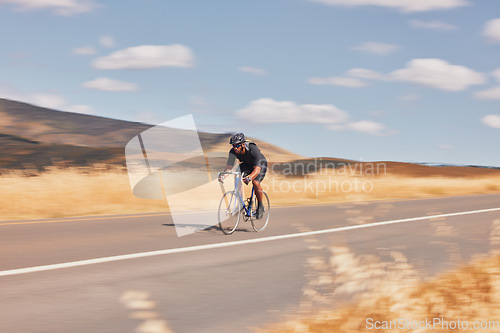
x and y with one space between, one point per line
228 173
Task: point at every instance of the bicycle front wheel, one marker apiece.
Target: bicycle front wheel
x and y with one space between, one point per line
261 224
229 212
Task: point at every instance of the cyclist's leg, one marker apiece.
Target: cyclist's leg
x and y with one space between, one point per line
258 189
256 182
245 171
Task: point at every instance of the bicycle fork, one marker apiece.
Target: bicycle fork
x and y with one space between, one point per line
249 200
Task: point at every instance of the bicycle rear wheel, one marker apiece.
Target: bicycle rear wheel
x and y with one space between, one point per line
261 224
229 212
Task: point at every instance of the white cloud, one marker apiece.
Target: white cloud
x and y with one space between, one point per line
435 25
83 109
353 81
496 74
267 110
492 31
147 56
368 127
406 6
445 147
253 70
338 81
59 7
363 73
85 50
107 84
45 100
438 74
435 73
491 120
376 48
107 41
493 93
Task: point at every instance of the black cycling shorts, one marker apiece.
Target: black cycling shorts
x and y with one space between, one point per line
248 169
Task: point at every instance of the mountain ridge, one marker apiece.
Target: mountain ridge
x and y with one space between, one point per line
37 136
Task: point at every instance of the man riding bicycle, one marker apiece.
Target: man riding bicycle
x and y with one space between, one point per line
253 165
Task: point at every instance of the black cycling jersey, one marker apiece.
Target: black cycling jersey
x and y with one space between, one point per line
252 156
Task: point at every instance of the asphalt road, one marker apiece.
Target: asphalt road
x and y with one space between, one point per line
224 289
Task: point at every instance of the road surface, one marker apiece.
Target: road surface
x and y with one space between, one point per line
219 283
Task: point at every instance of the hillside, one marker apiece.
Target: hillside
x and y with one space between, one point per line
32 136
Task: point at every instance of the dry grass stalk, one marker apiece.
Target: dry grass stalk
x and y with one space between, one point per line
469 294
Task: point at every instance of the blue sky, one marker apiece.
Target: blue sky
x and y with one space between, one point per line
396 80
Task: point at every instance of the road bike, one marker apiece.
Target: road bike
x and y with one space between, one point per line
232 206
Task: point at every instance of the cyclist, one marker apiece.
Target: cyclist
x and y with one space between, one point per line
253 165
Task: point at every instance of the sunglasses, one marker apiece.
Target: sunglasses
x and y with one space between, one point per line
237 146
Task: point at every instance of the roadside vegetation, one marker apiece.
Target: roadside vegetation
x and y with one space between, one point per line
317 188
70 192
464 298
60 192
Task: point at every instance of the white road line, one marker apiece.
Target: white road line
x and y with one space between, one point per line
227 244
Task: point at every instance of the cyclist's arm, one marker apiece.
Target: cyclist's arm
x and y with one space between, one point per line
255 172
231 158
227 168
258 159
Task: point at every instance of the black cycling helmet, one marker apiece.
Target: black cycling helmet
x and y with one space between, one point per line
237 139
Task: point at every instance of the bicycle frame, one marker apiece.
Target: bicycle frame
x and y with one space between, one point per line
230 211
237 180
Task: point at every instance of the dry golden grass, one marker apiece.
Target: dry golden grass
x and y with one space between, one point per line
71 192
321 188
84 191
470 294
